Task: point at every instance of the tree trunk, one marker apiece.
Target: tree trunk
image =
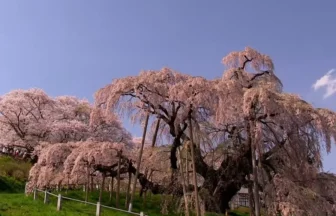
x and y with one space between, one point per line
91 180
251 200
139 161
186 202
255 184
144 199
118 180
187 165
68 185
255 171
262 182
150 178
198 212
111 188
87 184
221 184
156 132
128 189
101 189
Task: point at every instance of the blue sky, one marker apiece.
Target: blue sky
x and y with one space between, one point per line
74 47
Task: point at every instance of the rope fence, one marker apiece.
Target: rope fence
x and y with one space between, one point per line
98 205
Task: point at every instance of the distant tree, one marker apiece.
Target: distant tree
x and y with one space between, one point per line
74 163
29 117
25 117
48 171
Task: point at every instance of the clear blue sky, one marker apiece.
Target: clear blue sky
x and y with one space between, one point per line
74 47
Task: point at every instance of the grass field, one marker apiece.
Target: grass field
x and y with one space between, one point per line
12 204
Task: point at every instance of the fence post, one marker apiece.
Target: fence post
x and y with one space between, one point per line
130 207
98 209
59 202
35 193
46 197
142 214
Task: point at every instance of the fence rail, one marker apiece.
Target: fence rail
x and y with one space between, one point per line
98 205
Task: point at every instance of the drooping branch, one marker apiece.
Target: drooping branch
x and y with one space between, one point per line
247 60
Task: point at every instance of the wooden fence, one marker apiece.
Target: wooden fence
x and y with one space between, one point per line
98 205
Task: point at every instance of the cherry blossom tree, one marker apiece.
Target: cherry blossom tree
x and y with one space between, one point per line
28 117
245 113
24 117
70 120
272 121
166 94
106 127
74 163
49 169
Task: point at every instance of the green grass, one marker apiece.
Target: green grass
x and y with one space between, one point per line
241 211
12 175
19 204
10 185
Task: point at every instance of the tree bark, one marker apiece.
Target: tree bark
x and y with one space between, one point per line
111 188
255 171
187 165
198 212
118 180
251 200
186 202
255 184
87 184
139 161
91 180
101 189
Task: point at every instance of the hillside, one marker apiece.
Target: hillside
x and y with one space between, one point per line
13 174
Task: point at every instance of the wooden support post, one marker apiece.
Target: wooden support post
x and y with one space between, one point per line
46 197
59 202
139 163
35 194
98 209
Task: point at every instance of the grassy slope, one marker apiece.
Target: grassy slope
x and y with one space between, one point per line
12 175
14 168
19 204
10 185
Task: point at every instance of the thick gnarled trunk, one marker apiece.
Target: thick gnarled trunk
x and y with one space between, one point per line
219 185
